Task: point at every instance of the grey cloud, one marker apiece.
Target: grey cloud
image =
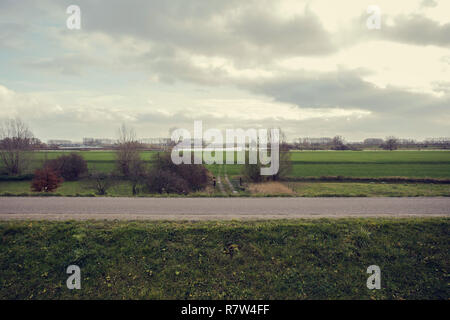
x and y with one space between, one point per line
417 29
351 127
442 86
172 69
414 29
428 3
345 89
239 30
66 65
300 35
90 119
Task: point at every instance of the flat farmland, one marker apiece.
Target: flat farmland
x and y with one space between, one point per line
99 160
411 164
305 164
371 164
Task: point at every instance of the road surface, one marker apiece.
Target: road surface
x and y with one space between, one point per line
68 208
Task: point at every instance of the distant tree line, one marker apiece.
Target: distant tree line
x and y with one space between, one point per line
389 143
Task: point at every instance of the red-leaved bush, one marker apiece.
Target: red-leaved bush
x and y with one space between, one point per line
45 179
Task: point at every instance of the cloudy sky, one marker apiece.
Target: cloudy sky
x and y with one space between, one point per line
312 67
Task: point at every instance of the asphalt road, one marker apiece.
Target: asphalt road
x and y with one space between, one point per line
62 208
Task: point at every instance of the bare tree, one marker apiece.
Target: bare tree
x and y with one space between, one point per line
252 172
339 143
16 145
127 150
101 182
285 158
391 143
137 174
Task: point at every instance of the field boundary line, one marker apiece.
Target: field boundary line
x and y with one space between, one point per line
363 179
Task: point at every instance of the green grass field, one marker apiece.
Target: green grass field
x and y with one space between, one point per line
378 157
433 164
417 164
100 160
121 188
299 259
368 164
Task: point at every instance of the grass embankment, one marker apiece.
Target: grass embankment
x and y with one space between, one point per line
348 189
370 190
293 189
303 259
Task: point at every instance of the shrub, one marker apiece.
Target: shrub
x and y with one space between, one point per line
285 167
21 177
390 144
136 175
70 167
161 181
46 180
252 172
196 175
192 177
101 182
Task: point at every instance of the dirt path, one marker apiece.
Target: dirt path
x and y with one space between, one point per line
219 182
230 185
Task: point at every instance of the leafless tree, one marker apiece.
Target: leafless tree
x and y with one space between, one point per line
285 158
391 143
16 145
339 143
252 172
100 181
127 150
137 174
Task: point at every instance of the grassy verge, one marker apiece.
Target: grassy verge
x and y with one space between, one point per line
292 189
81 188
300 259
348 189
